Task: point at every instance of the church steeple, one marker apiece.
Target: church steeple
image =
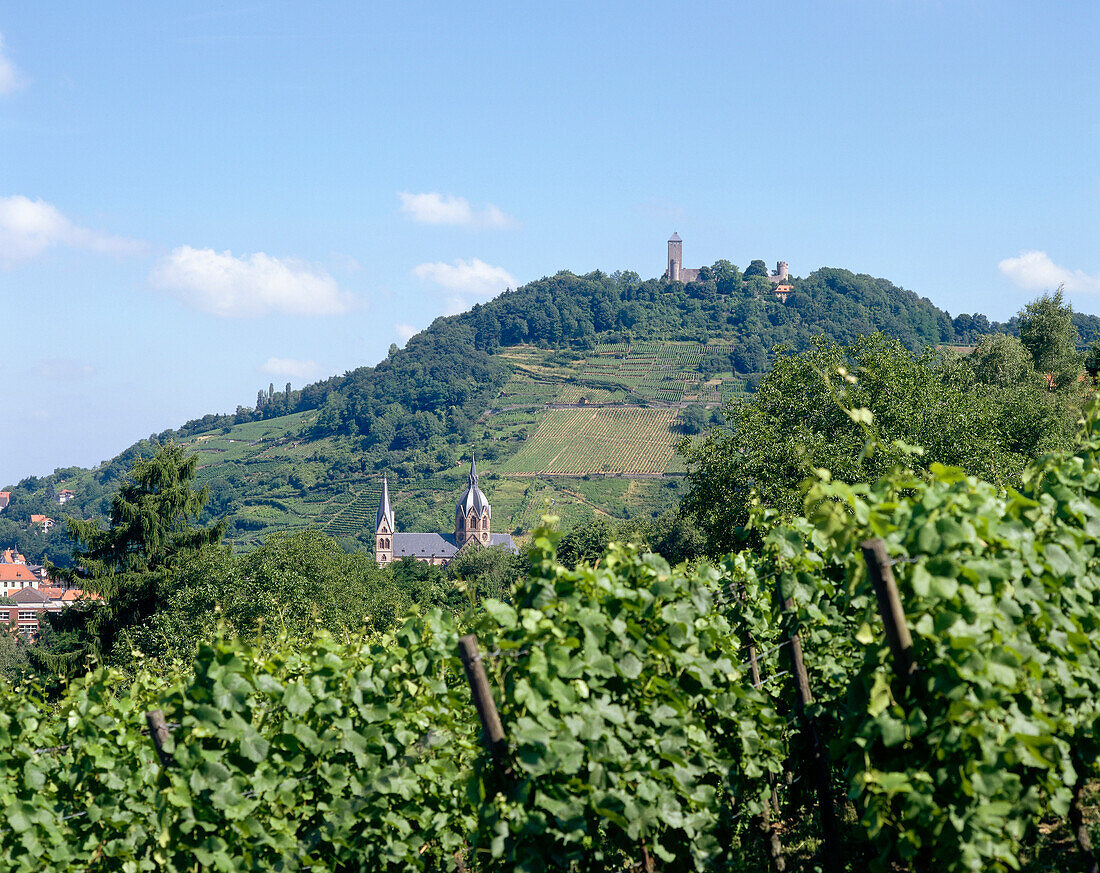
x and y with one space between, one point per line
383 527
473 513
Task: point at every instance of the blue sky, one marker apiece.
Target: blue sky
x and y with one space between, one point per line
197 199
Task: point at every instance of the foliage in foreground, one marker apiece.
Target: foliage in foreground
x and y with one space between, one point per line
634 727
630 718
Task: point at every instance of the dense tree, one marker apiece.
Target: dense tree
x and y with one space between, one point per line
586 543
800 420
696 418
1048 332
1003 361
13 652
487 571
756 269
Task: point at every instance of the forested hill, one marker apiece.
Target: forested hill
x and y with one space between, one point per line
423 407
449 371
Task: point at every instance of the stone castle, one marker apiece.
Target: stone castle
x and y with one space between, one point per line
473 523
677 272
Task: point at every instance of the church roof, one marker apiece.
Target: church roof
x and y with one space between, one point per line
436 545
423 545
675 238
384 509
473 499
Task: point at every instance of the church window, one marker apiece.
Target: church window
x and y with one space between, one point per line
485 523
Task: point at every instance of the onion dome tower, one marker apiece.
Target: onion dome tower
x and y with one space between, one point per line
472 513
383 527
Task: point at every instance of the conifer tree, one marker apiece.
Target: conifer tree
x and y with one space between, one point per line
150 533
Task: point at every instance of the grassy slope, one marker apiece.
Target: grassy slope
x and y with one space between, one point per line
288 482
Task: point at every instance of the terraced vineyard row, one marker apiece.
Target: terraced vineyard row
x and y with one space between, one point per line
353 517
579 441
654 370
577 393
524 390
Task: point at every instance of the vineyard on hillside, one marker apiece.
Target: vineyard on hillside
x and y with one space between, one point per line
609 440
350 518
662 371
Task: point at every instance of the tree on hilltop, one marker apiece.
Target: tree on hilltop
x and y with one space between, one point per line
756 268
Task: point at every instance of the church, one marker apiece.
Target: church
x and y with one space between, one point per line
473 523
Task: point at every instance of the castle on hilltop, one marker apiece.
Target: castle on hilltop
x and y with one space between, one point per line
677 272
473 523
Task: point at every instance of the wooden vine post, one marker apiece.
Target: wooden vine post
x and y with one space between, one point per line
764 825
900 641
1077 817
158 730
889 607
832 851
486 707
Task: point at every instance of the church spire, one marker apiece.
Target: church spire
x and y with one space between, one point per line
472 512
385 511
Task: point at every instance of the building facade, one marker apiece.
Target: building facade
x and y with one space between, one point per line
473 523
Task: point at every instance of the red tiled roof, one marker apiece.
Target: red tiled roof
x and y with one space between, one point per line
16 573
78 594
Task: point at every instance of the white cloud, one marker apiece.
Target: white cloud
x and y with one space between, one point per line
295 369
435 208
29 227
465 279
10 78
473 277
1035 271
405 332
230 287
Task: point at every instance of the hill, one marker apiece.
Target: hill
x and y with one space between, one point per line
571 389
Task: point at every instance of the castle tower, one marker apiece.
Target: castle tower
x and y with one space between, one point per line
782 270
383 527
472 513
675 257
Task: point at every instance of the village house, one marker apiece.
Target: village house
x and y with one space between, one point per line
15 577
43 521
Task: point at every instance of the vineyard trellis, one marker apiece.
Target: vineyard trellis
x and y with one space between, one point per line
604 440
